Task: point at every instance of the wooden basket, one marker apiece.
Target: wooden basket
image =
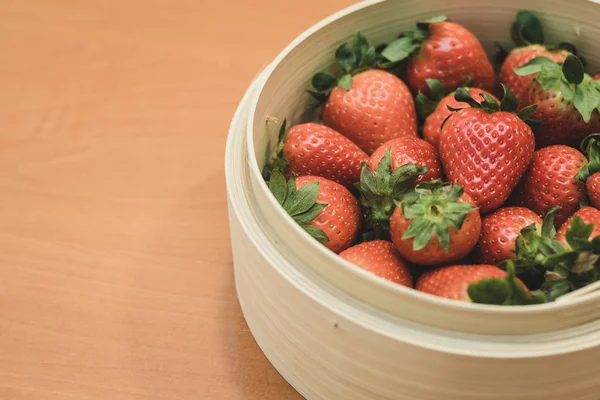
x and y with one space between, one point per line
337 332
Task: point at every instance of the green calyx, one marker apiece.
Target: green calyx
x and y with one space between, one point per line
569 79
380 190
506 291
526 29
426 105
409 42
563 269
434 207
490 105
300 204
351 59
277 163
590 146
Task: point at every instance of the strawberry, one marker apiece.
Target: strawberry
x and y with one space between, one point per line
382 185
434 224
435 111
568 100
486 148
590 173
596 77
589 215
314 149
565 261
323 208
500 230
551 181
442 50
409 150
479 283
528 35
366 104
380 258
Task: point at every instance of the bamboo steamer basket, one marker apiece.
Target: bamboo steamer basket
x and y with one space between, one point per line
334 331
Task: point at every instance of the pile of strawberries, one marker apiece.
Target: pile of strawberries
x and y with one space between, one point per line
432 171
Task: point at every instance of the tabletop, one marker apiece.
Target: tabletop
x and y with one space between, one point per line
116 277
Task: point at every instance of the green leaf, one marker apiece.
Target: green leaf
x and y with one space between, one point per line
368 184
443 234
304 199
554 289
527 29
399 49
462 95
573 70
424 105
345 82
369 58
425 23
548 229
278 186
345 57
526 112
578 234
533 66
506 291
384 172
320 97
421 230
317 233
437 88
310 214
360 46
509 101
550 77
489 104
323 81
586 99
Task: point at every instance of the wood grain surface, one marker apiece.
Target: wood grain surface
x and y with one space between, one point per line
116 277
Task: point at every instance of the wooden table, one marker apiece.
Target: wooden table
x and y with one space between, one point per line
115 265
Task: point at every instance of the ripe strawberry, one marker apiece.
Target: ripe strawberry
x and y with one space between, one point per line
376 108
478 283
588 215
409 150
590 173
596 77
486 148
323 208
435 111
442 50
314 149
435 224
550 181
528 35
380 258
366 104
500 230
568 101
592 186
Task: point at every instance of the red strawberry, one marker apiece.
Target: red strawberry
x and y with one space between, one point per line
486 148
409 150
588 215
593 189
477 283
528 35
596 77
590 173
441 50
432 128
568 101
500 230
520 85
314 149
550 181
380 258
435 224
376 108
325 209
